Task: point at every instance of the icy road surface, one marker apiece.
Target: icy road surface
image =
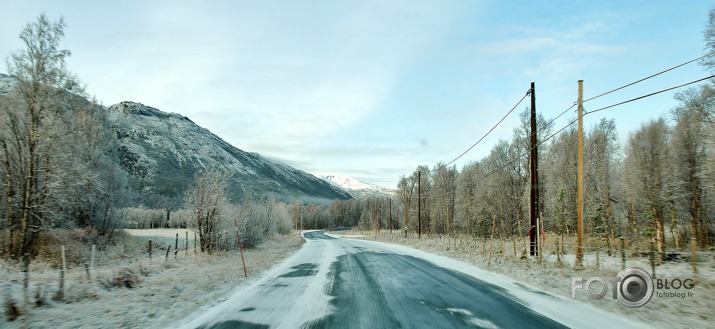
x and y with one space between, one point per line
345 283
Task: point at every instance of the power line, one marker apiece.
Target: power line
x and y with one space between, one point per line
562 113
648 77
511 161
520 156
651 94
490 130
600 109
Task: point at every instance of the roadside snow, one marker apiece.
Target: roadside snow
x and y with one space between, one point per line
575 315
303 301
525 275
163 291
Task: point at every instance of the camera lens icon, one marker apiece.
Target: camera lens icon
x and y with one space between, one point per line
635 288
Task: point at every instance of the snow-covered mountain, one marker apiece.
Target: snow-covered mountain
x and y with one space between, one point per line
357 188
167 149
162 152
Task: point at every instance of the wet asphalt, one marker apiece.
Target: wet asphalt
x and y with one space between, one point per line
348 283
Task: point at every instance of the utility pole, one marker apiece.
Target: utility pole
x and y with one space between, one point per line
389 217
419 204
579 181
379 216
534 209
406 207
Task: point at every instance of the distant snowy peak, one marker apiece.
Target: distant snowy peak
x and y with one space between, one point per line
348 182
357 188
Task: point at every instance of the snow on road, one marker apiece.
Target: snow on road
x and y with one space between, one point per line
347 283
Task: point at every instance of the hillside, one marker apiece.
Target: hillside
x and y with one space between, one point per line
163 151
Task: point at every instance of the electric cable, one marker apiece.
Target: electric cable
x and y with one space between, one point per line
648 77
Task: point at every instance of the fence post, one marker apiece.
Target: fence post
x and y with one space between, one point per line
559 263
168 247
694 257
26 279
652 257
176 246
60 295
86 270
491 240
91 260
186 241
61 292
194 243
149 249
240 247
623 253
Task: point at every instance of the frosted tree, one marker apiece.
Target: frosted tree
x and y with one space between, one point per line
647 158
34 130
206 200
691 135
601 148
709 35
407 191
442 197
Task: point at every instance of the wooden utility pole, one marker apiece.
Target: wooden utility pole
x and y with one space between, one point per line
389 217
406 207
419 204
579 181
534 206
379 215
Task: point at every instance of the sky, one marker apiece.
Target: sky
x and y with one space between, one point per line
373 89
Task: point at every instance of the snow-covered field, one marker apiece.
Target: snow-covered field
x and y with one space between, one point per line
694 311
162 291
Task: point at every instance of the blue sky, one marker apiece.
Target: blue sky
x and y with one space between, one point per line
372 89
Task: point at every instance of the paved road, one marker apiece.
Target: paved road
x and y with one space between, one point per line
349 283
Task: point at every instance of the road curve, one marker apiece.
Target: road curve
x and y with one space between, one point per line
349 283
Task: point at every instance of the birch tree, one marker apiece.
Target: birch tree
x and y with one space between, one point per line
206 199
691 134
33 129
648 159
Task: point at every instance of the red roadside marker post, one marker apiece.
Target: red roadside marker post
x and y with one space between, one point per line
240 247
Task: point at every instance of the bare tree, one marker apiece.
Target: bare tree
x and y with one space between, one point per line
407 189
689 147
648 159
34 129
709 35
206 199
601 148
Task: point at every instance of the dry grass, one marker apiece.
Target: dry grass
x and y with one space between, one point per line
136 292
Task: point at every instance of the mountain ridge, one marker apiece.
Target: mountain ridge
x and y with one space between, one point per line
163 151
174 141
356 187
